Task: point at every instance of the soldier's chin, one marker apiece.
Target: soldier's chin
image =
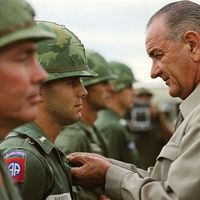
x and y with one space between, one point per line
78 118
25 117
79 115
31 114
72 120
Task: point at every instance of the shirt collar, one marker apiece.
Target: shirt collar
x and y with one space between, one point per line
33 131
192 101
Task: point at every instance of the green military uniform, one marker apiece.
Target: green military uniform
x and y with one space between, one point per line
36 165
81 137
41 163
120 145
17 23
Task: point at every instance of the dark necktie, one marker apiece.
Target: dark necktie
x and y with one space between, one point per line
179 120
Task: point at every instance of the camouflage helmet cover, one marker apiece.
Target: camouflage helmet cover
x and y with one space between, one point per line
17 23
98 64
64 56
124 74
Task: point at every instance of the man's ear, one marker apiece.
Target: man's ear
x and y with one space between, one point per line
193 39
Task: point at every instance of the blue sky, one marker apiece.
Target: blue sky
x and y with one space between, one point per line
114 28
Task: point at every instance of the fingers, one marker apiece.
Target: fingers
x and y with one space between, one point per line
81 176
88 169
104 198
75 174
79 154
76 161
74 157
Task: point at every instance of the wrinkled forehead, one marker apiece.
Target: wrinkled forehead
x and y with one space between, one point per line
156 26
155 32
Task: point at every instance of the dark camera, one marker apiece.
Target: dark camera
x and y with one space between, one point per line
141 117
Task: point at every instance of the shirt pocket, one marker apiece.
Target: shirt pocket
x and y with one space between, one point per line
167 156
169 152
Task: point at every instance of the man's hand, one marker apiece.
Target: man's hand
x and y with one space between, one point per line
89 170
104 198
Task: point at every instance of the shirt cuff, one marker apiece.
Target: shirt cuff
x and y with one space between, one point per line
114 178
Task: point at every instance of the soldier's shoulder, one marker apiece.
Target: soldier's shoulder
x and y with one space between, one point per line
71 129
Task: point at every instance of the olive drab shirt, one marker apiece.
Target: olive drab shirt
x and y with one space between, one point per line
175 175
81 137
36 165
8 191
120 146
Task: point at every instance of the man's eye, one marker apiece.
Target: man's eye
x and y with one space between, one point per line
158 56
71 82
22 58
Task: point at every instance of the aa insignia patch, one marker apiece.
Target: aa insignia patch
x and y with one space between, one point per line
16 162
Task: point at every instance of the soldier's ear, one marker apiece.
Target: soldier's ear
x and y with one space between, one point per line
193 40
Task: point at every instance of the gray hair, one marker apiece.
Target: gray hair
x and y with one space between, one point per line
180 16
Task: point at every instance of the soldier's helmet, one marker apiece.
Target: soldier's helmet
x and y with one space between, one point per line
124 74
144 92
98 64
64 56
17 23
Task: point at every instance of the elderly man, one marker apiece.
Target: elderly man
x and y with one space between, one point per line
173 43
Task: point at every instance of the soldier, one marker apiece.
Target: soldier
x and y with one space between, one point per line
36 165
173 43
109 121
83 136
20 75
149 127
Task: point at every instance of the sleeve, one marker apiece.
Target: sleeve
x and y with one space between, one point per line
174 177
28 172
133 168
70 141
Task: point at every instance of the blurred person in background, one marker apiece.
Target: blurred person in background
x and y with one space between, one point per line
110 121
149 127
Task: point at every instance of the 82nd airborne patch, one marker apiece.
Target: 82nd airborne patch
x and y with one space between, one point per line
16 162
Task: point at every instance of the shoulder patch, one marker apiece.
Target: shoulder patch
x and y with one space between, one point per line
19 154
16 162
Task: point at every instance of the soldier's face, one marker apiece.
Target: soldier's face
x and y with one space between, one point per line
19 83
99 95
63 100
126 98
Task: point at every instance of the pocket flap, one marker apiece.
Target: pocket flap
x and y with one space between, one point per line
169 151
